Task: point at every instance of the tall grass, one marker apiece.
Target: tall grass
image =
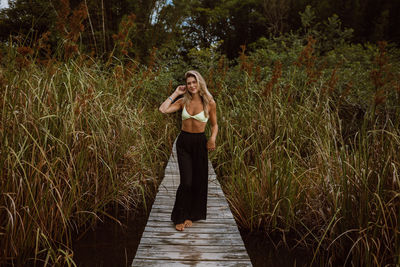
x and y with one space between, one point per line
77 140
308 153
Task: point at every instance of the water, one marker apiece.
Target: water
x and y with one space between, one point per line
111 244
263 253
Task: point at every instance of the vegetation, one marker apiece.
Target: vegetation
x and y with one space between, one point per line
77 141
308 153
183 24
309 126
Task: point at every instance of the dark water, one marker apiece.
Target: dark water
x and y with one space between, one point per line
263 253
111 244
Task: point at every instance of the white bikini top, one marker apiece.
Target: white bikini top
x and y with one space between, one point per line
199 116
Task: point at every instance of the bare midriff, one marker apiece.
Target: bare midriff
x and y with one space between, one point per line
193 126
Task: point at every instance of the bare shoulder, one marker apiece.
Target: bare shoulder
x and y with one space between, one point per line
212 104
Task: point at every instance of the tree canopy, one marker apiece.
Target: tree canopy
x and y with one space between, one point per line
184 24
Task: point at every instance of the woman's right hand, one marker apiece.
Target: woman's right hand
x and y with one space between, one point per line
180 90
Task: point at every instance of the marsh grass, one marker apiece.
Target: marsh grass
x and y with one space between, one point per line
309 155
77 140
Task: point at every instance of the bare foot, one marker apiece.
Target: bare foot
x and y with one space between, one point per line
180 226
188 223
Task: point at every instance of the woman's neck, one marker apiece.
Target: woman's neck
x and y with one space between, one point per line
196 97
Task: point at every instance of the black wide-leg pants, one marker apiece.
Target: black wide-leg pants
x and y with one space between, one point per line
191 196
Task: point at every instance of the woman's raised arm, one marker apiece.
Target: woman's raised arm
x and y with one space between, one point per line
167 106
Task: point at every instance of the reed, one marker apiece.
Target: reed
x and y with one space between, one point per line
76 142
309 155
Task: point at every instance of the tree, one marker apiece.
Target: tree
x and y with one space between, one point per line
27 19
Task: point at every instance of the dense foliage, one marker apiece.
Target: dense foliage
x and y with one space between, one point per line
183 24
78 140
308 149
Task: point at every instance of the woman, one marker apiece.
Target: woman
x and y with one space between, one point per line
191 146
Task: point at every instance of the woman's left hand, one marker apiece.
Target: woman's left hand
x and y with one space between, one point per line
211 145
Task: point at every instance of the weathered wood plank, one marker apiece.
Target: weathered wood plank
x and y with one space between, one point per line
199 230
211 205
167 198
209 220
197 224
172 193
187 254
215 210
209 198
178 248
214 216
182 263
175 176
187 234
198 242
174 172
168 194
173 188
169 204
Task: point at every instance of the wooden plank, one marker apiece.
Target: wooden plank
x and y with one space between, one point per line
212 178
187 254
210 214
171 188
178 248
175 187
212 201
197 230
188 242
210 197
212 242
197 224
173 171
172 193
213 217
211 205
209 220
175 183
212 211
182 263
176 175
216 204
185 235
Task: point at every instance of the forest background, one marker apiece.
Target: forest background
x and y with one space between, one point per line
308 97
181 25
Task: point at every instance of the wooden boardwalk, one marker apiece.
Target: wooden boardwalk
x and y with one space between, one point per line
212 242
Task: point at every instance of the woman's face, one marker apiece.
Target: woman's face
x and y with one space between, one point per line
191 85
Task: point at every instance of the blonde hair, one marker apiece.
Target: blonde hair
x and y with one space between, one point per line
205 95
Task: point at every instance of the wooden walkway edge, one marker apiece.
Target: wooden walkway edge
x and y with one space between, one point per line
212 242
